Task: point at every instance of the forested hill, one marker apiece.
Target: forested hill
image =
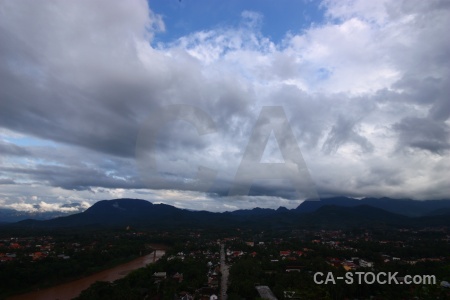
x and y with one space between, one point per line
333 212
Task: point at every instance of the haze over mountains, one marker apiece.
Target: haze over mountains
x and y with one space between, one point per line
8 215
334 212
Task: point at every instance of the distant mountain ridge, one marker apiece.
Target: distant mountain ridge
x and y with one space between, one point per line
332 212
11 215
406 207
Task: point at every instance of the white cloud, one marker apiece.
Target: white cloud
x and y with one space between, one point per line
366 93
370 11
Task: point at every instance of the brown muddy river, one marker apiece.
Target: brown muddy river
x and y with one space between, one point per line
72 289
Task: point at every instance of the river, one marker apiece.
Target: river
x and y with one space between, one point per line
72 289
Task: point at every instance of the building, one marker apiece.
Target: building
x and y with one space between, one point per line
365 264
265 292
160 275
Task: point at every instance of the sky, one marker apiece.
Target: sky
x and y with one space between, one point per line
222 105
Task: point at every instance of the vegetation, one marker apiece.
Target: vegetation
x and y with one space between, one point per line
283 256
35 262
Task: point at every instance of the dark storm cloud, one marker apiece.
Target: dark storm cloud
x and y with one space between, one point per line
440 110
12 149
69 83
423 133
70 97
421 91
71 178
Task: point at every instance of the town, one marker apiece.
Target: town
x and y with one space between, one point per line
271 264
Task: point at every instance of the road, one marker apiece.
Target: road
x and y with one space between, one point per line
224 270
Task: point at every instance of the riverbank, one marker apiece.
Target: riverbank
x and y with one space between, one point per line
72 289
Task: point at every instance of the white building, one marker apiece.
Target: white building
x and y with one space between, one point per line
365 264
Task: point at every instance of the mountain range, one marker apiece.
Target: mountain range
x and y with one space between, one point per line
330 212
406 207
8 215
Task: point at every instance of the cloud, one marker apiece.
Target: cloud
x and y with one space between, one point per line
252 19
43 206
343 132
423 133
6 181
365 93
12 149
